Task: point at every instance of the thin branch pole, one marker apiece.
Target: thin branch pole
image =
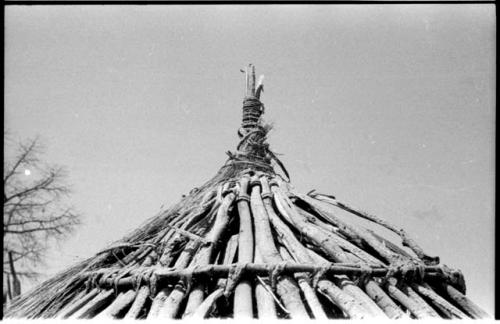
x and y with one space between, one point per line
206 253
466 304
243 292
346 302
407 302
286 287
348 286
266 308
181 263
171 306
90 308
343 282
168 307
220 270
355 233
384 301
158 301
320 238
139 301
407 240
77 304
122 301
309 293
411 300
204 308
229 255
419 300
343 243
250 83
446 307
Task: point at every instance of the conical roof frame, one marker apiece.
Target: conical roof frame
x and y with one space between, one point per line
246 244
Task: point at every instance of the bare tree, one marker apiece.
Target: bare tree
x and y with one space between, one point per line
34 210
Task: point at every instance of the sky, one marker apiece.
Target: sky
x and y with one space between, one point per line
387 107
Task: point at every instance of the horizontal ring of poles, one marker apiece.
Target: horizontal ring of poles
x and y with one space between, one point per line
165 275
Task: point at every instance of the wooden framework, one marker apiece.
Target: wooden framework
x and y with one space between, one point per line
247 245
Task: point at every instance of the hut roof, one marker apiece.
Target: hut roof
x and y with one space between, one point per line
247 244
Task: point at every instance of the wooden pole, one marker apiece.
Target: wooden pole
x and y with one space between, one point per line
204 308
309 292
466 304
206 253
418 300
168 300
138 304
122 301
356 233
250 84
243 307
441 303
407 239
79 302
222 270
266 308
321 239
407 302
343 300
286 287
90 309
384 301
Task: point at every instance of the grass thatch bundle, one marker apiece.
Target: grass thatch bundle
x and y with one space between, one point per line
246 244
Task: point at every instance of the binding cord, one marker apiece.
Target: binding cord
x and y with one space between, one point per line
252 147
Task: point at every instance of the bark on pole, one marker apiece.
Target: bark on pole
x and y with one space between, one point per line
181 263
344 301
204 308
466 304
419 301
243 307
229 255
309 292
320 238
343 243
266 308
384 301
250 76
415 308
169 306
325 209
407 240
90 308
122 301
346 285
441 303
138 303
77 304
286 287
206 253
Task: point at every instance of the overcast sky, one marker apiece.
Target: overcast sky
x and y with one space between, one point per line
388 107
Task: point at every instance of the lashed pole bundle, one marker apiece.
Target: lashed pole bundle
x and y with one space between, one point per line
247 245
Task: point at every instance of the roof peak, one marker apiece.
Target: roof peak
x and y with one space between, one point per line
252 148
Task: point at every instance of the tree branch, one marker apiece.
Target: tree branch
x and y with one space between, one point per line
23 158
